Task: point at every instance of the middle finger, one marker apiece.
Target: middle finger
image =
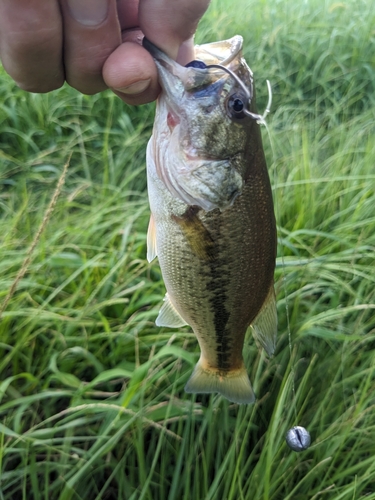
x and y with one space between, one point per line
91 33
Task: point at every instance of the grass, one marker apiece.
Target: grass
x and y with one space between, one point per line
91 392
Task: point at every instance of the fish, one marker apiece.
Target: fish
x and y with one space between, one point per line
212 223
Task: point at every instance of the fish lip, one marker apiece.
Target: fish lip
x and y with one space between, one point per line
153 49
174 78
165 64
156 53
159 56
170 77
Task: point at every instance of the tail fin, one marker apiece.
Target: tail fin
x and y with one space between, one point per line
233 385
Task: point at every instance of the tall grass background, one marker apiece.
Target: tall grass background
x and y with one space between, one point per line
91 393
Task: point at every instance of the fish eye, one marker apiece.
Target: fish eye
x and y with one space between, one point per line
236 106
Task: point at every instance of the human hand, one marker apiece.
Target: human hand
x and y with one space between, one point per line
95 44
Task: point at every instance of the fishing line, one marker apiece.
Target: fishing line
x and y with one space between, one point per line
297 438
283 280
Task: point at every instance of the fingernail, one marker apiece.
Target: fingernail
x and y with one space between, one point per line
135 88
89 12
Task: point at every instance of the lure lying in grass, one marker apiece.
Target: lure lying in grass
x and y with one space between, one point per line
212 223
298 438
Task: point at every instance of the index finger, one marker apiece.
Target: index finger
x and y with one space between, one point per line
170 23
31 43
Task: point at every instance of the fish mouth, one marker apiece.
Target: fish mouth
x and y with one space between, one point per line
176 79
223 52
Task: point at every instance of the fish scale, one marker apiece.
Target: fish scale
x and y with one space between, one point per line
216 249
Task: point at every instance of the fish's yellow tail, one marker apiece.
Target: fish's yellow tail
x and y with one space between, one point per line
233 385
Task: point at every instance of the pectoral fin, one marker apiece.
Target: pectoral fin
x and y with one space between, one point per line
265 324
151 240
168 315
197 235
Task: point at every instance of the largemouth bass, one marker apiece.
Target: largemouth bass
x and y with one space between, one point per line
212 222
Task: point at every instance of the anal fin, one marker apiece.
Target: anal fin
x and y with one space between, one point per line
151 240
233 385
169 316
265 324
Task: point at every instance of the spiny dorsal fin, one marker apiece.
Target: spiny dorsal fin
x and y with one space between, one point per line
151 240
168 315
265 324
